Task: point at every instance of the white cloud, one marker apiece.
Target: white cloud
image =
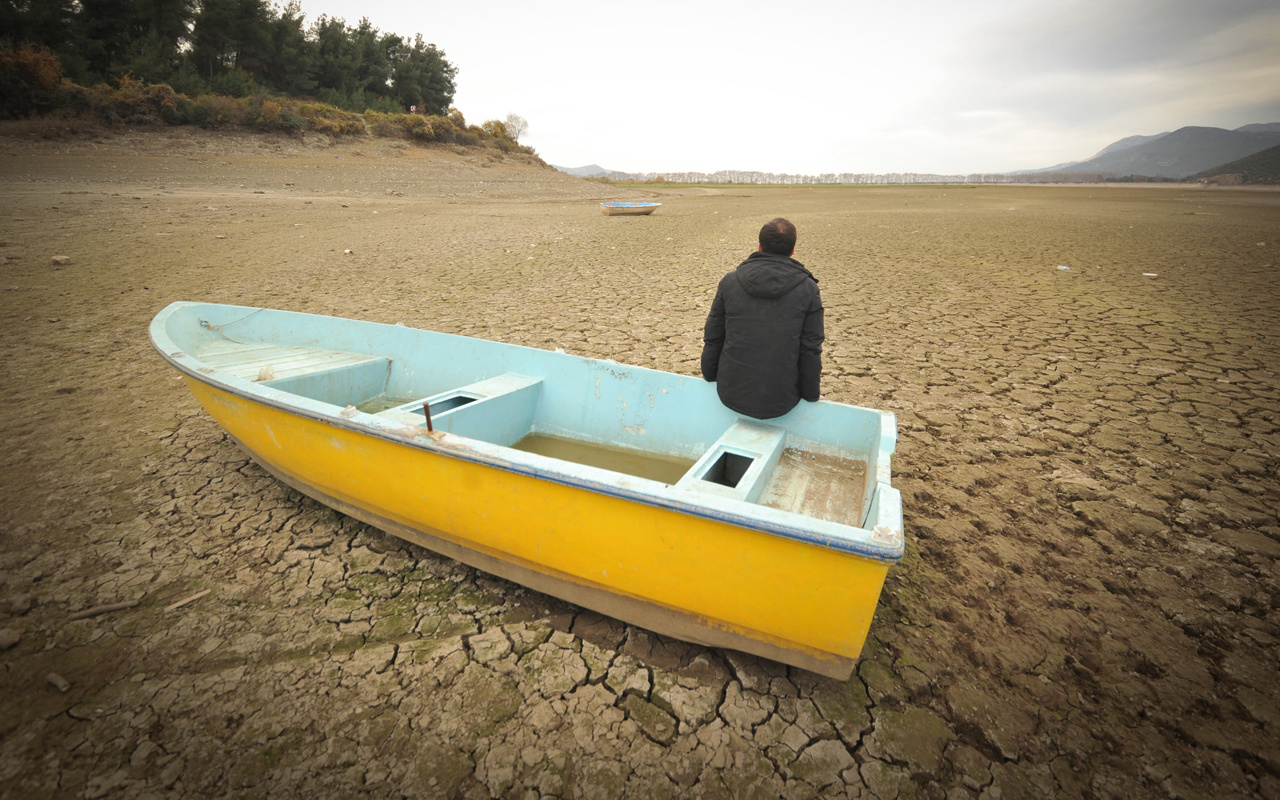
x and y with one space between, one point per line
925 86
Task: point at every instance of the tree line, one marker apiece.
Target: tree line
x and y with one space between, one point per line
861 178
789 179
236 48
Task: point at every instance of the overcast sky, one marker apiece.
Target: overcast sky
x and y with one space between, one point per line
943 86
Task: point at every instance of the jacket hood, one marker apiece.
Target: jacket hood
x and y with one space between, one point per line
770 275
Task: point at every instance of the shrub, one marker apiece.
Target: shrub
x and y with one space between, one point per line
264 114
74 98
385 126
175 109
187 81
496 129
291 121
500 135
133 101
469 136
233 83
421 128
324 118
437 129
272 114
29 81
217 111
417 127
452 129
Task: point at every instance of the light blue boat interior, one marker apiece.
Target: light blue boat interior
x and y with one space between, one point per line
498 394
629 205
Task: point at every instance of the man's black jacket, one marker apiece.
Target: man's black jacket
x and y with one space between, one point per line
763 340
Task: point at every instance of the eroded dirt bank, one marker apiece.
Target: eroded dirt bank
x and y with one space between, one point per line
1087 457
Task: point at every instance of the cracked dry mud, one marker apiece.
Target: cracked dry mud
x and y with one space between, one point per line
1086 608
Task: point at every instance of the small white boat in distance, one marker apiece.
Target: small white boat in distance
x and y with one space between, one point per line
634 209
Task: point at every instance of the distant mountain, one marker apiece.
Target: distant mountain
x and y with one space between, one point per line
589 171
1184 153
1180 154
1063 167
1263 167
1260 127
1125 144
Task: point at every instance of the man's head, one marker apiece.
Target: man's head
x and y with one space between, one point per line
778 236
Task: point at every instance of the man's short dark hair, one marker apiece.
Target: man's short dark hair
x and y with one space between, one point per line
778 236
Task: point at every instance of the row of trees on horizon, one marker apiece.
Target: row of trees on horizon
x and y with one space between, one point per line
236 48
850 178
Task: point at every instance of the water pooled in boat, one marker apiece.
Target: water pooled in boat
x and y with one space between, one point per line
642 464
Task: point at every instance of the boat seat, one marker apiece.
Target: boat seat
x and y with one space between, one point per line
268 362
330 376
739 464
498 410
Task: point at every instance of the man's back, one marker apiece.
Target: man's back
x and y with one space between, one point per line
763 338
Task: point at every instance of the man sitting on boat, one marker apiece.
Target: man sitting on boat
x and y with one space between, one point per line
762 345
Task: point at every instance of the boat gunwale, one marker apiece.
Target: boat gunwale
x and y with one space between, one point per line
437 442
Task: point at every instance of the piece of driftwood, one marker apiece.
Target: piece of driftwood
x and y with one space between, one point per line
185 600
107 609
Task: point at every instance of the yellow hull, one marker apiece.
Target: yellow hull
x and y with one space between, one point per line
688 576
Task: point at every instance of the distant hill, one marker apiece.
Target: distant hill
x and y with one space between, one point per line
1125 144
589 171
1179 154
1260 127
1185 153
1261 167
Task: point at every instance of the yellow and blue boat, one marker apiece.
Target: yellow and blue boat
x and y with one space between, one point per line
629 491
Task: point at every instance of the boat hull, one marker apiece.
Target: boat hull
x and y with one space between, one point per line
628 209
690 577
630 491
